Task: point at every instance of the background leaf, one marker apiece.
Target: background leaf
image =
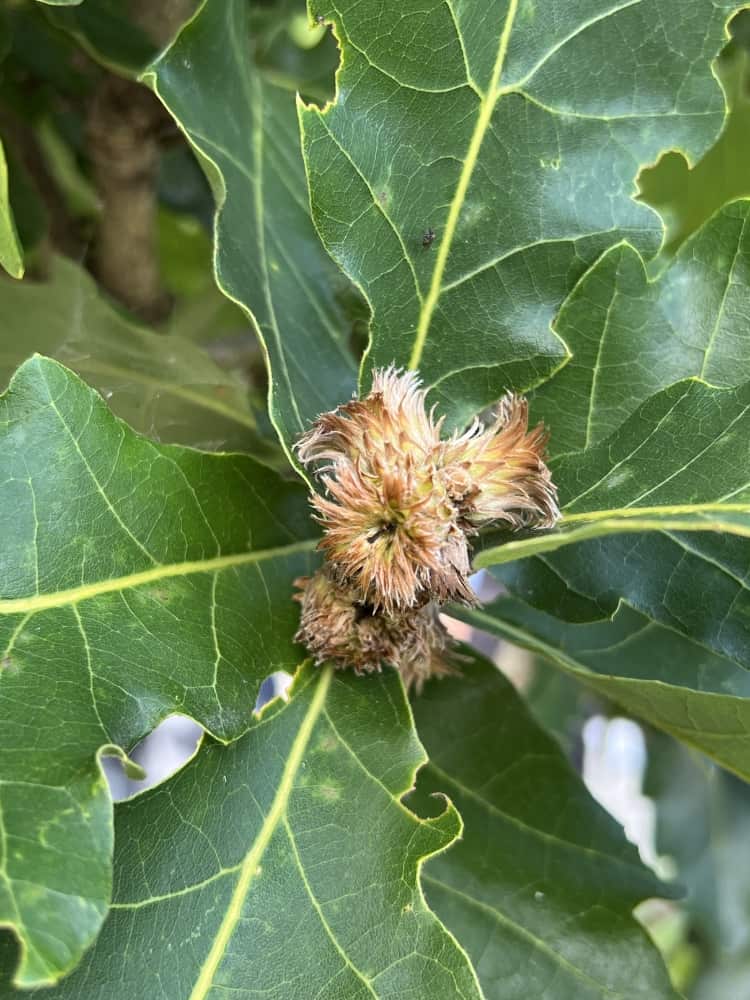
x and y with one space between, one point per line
107 31
138 580
161 385
655 673
703 820
683 590
506 140
268 256
541 886
631 336
264 867
11 252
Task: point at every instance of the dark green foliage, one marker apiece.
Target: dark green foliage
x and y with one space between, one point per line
460 198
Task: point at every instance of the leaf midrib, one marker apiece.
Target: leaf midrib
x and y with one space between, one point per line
254 97
274 816
486 109
623 520
667 510
74 595
489 101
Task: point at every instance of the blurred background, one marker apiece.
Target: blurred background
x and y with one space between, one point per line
114 217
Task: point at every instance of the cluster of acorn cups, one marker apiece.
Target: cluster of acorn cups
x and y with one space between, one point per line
398 504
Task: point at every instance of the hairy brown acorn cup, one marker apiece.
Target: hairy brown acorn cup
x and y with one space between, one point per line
398 505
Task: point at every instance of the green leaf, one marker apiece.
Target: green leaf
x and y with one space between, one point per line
138 580
108 32
268 257
677 683
74 187
11 252
631 336
29 214
541 887
495 126
558 702
687 196
283 865
680 463
161 385
693 585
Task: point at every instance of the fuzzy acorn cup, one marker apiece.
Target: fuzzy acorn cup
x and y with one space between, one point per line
398 506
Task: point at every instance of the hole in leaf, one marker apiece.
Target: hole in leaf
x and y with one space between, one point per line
164 751
274 686
614 764
486 586
687 197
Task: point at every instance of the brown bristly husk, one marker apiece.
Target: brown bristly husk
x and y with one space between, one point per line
391 529
337 628
501 470
398 508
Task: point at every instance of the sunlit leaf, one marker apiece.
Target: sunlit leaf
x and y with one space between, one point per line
632 336
283 865
137 580
513 133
